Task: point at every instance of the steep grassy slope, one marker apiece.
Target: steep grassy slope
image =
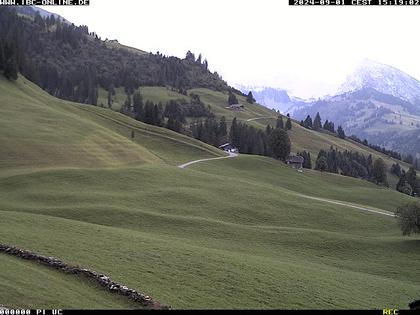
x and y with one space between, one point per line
37 130
233 233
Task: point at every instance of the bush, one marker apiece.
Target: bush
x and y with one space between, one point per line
409 217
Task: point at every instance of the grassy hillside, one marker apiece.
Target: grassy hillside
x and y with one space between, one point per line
218 237
25 284
37 130
232 233
260 116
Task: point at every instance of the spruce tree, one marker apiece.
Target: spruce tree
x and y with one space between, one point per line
232 99
288 124
340 132
279 122
138 103
308 122
222 130
234 133
317 125
411 177
321 164
279 143
250 98
268 130
111 92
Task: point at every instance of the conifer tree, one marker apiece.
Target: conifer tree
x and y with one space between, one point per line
308 122
232 99
340 132
317 125
279 122
138 103
288 123
250 98
279 143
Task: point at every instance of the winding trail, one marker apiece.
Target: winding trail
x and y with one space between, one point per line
230 155
251 119
342 203
332 201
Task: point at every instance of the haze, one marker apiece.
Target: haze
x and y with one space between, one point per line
306 50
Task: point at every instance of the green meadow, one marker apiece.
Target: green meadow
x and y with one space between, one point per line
231 233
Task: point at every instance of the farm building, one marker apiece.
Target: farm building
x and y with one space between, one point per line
235 106
227 147
295 161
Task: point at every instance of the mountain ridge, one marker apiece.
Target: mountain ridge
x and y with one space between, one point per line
383 78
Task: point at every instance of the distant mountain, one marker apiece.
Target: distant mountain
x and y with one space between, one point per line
275 98
379 103
384 79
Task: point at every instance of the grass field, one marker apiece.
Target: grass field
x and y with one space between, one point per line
232 233
302 138
29 284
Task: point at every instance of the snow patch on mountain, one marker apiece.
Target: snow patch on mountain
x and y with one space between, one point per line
385 79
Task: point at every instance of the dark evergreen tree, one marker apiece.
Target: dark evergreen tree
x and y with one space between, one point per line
340 132
127 103
317 125
396 169
250 98
379 172
279 143
174 124
137 104
411 177
308 122
321 163
307 163
232 99
149 113
288 124
408 159
403 185
234 133
279 122
111 92
222 130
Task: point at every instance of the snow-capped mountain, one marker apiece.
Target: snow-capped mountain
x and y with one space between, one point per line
377 102
274 98
385 79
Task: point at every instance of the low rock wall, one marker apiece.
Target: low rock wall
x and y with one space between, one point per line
101 279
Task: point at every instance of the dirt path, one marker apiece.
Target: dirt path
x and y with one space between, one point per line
230 155
251 119
332 201
342 203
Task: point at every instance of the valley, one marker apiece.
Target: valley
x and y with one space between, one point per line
191 237
111 161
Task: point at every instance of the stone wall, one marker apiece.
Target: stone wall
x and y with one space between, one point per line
101 279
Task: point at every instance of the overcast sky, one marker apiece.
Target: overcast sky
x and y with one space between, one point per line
306 50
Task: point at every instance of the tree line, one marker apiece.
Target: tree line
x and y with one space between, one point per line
70 62
317 125
391 153
329 126
408 182
352 164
